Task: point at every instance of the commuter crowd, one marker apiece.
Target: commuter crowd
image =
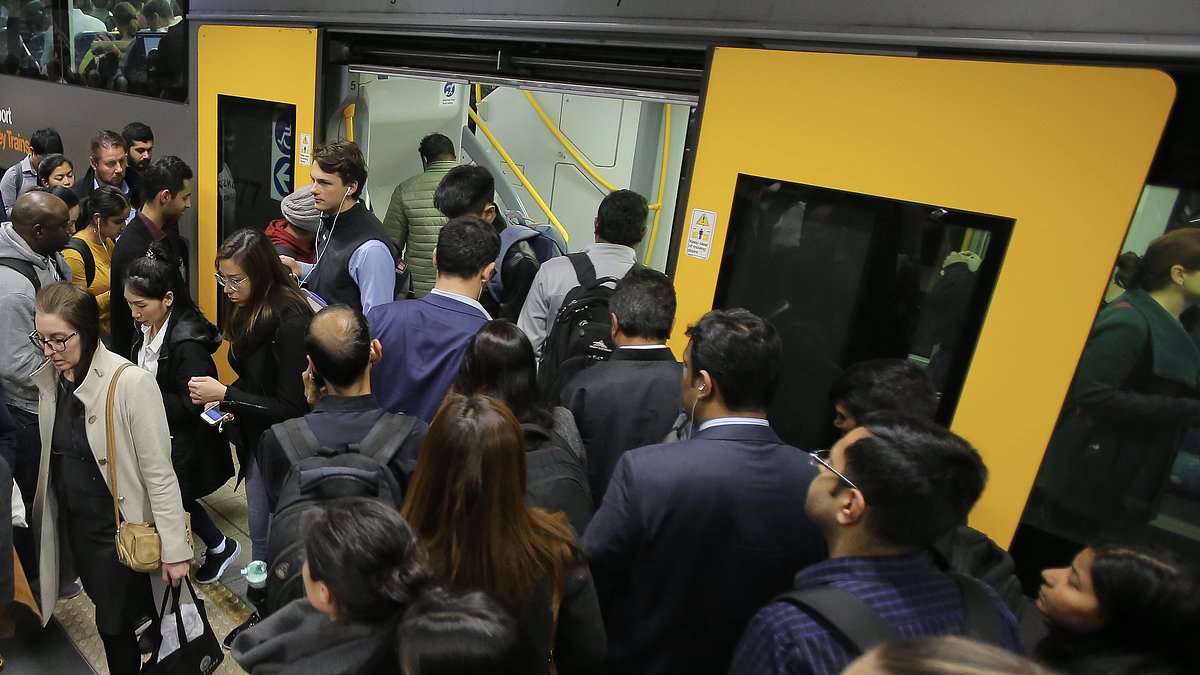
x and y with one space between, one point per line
465 450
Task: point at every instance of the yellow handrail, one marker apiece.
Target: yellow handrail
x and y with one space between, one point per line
348 116
517 172
562 140
662 181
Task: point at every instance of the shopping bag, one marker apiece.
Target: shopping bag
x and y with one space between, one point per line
196 656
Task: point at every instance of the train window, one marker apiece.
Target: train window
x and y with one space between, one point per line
555 155
102 44
848 277
255 155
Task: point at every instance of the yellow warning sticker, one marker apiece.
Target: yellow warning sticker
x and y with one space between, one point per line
700 234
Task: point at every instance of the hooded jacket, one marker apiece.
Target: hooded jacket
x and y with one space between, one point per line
201 457
18 358
298 640
287 244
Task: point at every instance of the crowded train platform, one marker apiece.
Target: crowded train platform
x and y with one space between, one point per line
399 339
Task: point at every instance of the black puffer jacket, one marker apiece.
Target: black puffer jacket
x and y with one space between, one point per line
202 459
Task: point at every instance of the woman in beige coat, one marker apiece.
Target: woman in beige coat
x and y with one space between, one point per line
73 506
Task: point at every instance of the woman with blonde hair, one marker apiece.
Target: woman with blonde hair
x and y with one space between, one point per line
467 504
74 501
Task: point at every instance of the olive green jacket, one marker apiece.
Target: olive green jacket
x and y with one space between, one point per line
414 222
1136 390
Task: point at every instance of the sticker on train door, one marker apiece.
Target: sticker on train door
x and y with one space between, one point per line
700 234
449 93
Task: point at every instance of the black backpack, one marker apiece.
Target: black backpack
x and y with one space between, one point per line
556 479
858 628
319 474
89 261
581 333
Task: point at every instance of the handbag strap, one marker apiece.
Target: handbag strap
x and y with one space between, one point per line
109 442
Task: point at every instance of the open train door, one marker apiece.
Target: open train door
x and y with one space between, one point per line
837 193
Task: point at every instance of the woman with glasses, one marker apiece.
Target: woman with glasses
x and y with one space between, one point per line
74 501
176 343
101 219
267 318
466 502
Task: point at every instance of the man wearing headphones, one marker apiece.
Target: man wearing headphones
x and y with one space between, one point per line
355 260
693 537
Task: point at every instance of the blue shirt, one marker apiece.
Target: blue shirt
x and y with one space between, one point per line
373 269
906 591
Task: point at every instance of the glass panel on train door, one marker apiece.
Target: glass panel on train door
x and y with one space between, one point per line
255 156
848 277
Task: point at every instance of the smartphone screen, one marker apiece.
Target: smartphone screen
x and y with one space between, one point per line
213 415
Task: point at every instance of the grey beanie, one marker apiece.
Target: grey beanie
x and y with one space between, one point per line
299 210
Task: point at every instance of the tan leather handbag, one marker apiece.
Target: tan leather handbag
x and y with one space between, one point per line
138 545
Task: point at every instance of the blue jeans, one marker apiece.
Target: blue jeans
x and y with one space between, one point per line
259 512
203 525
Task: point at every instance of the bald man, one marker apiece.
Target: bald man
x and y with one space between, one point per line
29 260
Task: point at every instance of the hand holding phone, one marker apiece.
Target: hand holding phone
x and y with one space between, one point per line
213 415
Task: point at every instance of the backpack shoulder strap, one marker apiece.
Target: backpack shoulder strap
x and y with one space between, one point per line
981 616
384 439
25 269
85 252
852 621
296 439
585 271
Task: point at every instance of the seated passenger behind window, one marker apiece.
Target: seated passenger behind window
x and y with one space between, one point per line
631 399
467 504
1136 390
499 362
620 226
363 569
1121 608
471 190
413 220
693 537
902 387
886 491
424 338
470 634
944 655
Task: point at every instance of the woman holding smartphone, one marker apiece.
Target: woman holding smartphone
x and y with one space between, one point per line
268 318
74 500
176 343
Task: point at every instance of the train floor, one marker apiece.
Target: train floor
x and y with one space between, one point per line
70 644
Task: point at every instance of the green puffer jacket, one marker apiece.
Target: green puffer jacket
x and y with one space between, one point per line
414 223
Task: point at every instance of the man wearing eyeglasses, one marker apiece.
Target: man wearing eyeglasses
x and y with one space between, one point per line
887 490
29 259
693 537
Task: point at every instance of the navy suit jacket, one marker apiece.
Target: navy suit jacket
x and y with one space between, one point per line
423 343
691 540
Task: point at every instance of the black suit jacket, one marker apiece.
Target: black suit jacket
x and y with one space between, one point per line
692 539
624 403
87 185
337 421
132 244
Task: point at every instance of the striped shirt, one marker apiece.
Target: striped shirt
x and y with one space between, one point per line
906 591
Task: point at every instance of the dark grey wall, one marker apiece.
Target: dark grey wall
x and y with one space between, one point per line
721 17
78 113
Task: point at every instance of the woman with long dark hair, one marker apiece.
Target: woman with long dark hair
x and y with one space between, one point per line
266 318
55 170
102 217
363 569
176 343
466 502
1121 608
499 362
74 500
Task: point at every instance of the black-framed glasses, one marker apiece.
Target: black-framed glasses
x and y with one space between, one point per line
233 284
56 344
821 458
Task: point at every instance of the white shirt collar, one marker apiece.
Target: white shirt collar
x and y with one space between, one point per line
466 300
642 347
153 347
727 421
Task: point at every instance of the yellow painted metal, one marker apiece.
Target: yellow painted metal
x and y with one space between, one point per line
662 180
269 64
562 140
348 116
1063 150
512 166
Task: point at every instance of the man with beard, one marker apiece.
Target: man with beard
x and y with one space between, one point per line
168 188
139 141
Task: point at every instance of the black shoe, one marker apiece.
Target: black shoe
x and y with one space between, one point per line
215 564
228 641
68 591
